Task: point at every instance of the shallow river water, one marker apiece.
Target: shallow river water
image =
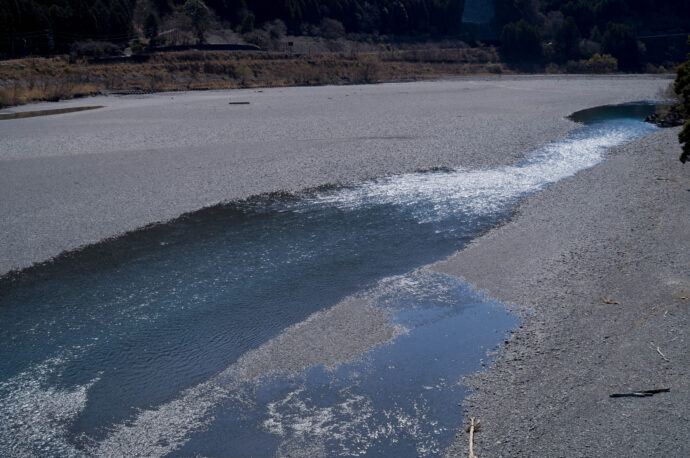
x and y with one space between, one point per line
163 341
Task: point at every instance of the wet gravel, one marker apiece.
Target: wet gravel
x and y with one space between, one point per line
73 179
599 266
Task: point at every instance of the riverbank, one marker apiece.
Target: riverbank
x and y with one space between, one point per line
598 263
36 79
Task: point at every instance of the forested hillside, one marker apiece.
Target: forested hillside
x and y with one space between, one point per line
531 31
48 25
45 26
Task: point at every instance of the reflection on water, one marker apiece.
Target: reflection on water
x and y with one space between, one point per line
635 111
136 344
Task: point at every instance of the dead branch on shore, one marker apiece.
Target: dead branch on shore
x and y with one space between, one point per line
640 393
608 301
474 426
658 350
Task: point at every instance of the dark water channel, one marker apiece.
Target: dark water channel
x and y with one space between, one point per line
150 343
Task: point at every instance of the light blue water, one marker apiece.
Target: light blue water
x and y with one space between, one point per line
141 344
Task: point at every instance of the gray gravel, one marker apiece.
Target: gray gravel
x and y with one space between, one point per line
73 179
602 262
598 263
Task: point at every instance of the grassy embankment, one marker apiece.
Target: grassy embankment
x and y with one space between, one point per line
51 79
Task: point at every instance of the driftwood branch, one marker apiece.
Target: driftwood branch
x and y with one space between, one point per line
640 394
658 350
608 301
474 426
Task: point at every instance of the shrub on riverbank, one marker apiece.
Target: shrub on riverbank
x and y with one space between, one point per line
682 87
602 63
46 89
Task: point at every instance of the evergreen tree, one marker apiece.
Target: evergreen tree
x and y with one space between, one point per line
567 40
151 26
521 43
199 14
620 41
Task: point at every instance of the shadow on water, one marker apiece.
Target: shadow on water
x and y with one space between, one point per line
124 326
635 111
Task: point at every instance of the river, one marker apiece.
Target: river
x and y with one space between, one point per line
298 322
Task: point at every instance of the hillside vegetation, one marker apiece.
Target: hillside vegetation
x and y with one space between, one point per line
533 32
82 47
33 79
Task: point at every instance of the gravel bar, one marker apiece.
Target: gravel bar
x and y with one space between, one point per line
599 265
73 179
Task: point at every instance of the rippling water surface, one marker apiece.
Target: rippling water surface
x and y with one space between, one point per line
160 342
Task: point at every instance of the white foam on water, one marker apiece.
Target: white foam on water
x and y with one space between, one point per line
159 431
482 192
35 416
350 427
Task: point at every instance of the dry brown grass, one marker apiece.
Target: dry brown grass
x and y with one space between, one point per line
50 90
35 79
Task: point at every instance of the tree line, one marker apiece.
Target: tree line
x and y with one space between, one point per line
565 30
531 31
46 26
397 17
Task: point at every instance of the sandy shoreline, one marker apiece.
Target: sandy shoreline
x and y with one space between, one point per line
601 259
78 178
